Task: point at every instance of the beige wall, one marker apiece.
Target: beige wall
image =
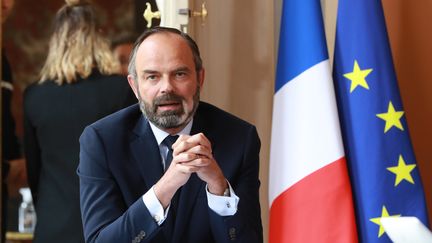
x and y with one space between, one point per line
237 45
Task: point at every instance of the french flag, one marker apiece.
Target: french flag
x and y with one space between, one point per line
309 188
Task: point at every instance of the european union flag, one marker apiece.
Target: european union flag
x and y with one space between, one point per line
383 170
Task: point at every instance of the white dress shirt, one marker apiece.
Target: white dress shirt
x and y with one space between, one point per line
222 205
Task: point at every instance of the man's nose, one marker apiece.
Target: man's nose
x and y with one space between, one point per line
166 85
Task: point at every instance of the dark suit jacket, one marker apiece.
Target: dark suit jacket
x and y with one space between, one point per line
120 161
10 144
55 117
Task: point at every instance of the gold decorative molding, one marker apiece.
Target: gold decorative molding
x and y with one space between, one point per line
149 15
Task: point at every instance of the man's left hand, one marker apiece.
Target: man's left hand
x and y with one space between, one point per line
204 164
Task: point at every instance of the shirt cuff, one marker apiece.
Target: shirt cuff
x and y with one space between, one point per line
222 205
154 206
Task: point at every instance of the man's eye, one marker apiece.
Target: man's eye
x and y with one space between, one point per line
180 74
151 77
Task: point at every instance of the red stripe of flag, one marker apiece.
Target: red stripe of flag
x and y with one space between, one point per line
315 209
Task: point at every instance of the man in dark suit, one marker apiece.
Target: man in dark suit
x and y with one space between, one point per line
209 190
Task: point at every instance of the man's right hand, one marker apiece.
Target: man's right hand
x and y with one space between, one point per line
175 176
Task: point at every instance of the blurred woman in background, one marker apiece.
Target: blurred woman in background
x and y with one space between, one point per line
77 87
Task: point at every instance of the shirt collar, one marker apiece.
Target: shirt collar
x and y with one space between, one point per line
160 134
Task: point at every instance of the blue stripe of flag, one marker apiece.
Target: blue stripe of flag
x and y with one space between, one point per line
301 39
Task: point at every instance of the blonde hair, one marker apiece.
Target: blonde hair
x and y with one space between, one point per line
76 47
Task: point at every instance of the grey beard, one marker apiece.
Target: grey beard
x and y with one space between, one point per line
166 120
169 119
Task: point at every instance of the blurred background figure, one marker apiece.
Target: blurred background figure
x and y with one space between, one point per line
122 47
76 88
12 162
7 6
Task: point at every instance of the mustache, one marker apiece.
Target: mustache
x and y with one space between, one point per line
167 98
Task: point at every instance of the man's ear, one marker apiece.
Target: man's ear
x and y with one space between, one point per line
201 76
133 85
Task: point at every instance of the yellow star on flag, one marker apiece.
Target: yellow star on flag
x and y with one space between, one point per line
377 220
358 77
402 171
391 118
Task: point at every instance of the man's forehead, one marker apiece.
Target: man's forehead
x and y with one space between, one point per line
166 48
155 39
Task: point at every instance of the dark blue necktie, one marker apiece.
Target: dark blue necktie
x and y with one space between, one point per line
170 221
169 141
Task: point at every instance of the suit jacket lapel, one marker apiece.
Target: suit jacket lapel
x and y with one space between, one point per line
145 150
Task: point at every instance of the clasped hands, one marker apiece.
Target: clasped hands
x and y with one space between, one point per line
191 154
